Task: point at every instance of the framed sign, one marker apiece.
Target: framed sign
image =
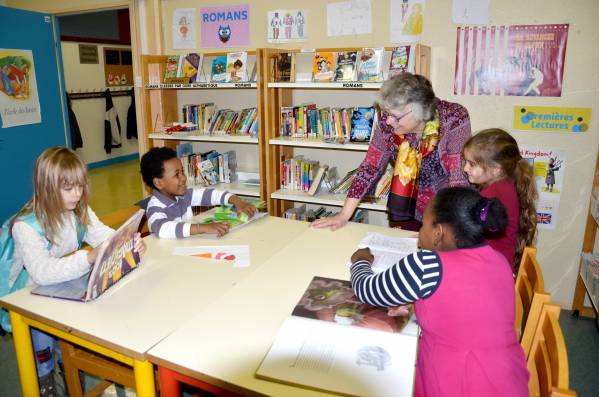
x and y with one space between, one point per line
88 53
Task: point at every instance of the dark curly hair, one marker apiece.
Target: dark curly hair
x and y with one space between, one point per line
471 216
152 164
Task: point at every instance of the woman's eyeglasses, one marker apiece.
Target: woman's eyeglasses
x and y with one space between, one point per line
395 117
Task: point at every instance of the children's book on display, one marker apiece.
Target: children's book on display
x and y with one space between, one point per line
346 66
115 260
333 342
323 66
402 61
219 69
369 67
237 67
284 67
362 124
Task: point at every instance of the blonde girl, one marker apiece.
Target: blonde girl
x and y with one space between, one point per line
493 163
60 207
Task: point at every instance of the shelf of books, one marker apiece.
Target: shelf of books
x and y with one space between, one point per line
321 104
216 133
201 137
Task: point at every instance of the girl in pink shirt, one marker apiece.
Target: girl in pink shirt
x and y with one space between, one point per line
493 163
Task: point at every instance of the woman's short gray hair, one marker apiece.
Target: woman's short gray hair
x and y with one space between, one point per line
409 89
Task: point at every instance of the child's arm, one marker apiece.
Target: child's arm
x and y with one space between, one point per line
219 228
414 277
242 206
96 232
43 268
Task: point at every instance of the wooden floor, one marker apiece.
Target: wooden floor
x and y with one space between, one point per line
115 187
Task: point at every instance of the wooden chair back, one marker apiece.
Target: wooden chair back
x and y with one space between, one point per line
528 281
548 358
530 321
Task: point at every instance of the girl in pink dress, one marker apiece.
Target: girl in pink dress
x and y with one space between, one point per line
464 298
493 163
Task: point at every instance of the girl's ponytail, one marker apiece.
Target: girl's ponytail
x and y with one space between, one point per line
527 195
491 215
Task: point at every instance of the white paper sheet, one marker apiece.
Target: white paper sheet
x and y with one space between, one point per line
406 20
349 18
471 12
183 28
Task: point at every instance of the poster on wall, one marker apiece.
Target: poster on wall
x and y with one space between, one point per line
349 18
470 11
284 26
549 167
184 33
552 119
517 60
19 102
225 26
405 21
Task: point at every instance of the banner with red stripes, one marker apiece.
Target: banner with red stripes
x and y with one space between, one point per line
520 60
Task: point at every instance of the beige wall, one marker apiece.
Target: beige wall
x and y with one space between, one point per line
559 249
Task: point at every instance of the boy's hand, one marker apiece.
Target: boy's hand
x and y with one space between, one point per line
242 206
363 254
219 228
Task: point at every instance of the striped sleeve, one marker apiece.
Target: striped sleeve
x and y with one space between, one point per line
160 224
207 197
414 277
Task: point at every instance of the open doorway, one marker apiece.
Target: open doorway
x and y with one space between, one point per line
98 62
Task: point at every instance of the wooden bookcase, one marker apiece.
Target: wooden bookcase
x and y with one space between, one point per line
163 103
344 156
588 245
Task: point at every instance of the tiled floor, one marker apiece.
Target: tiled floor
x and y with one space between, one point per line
115 187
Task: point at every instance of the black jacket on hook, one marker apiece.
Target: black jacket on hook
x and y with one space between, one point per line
76 139
112 125
132 118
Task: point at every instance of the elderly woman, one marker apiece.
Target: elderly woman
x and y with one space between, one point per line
423 136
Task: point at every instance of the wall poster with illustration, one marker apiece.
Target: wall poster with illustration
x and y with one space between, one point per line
549 168
284 26
19 102
516 60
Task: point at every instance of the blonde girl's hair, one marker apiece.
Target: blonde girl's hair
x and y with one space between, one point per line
57 168
496 147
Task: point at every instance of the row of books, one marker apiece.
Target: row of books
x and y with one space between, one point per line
365 65
207 168
205 118
301 213
307 121
189 68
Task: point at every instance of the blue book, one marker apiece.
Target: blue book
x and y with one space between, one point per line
219 69
361 124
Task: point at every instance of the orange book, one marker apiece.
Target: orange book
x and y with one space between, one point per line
323 66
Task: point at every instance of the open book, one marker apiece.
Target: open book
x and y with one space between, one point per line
334 342
114 261
386 250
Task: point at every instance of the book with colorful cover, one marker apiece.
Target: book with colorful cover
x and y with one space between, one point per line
284 66
171 70
219 69
369 67
237 67
323 66
401 61
362 122
115 260
334 342
346 66
191 64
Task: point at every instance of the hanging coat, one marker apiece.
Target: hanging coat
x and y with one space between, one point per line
76 139
112 126
131 118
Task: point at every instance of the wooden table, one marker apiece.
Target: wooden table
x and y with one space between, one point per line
225 342
149 304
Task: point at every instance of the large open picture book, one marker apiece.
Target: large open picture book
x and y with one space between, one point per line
334 342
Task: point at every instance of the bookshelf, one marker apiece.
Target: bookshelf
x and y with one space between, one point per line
584 286
325 94
163 105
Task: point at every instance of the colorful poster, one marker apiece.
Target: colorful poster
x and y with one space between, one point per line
284 26
549 168
184 31
19 103
519 60
552 119
225 26
405 21
349 18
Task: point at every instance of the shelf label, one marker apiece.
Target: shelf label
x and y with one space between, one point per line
353 85
243 85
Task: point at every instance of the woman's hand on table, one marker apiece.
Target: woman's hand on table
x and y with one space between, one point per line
332 222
